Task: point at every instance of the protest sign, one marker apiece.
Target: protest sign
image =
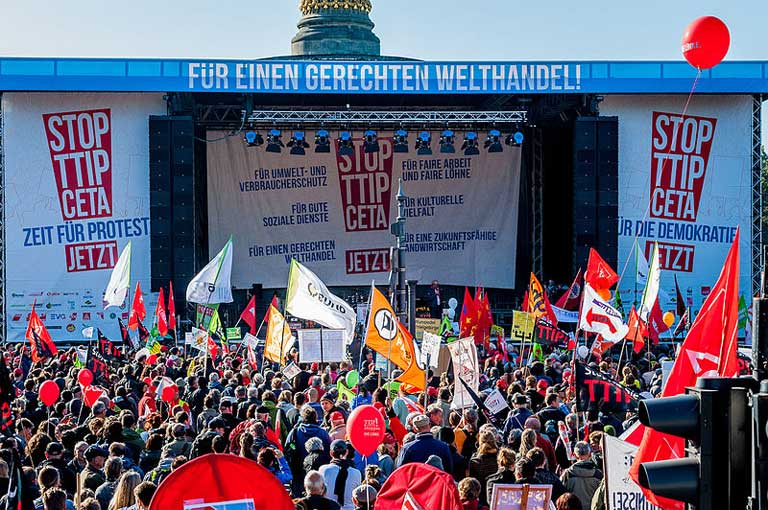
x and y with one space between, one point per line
551 336
426 326
464 357
496 402
621 492
520 497
321 345
430 350
291 370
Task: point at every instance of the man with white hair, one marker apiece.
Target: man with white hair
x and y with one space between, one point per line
314 488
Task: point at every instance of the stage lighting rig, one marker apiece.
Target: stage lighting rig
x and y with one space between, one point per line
424 144
345 144
274 143
470 144
298 143
493 143
371 143
401 141
322 141
253 138
515 139
447 141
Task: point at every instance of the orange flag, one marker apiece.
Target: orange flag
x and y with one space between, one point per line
389 338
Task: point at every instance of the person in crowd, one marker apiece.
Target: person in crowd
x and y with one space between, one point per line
315 490
113 468
506 460
483 463
544 475
93 475
569 501
516 418
469 493
144 493
425 445
434 300
124 497
552 409
364 497
583 477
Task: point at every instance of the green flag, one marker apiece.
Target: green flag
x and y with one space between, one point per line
743 312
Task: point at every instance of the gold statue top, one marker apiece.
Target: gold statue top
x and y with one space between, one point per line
312 6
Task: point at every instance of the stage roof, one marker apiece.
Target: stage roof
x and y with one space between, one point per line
377 77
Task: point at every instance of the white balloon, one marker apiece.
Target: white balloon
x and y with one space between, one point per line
582 351
452 304
451 313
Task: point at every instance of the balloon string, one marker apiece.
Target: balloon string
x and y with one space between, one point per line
648 209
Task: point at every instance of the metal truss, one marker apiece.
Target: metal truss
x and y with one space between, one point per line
3 315
537 201
757 193
386 117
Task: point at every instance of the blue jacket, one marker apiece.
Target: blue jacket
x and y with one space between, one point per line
302 432
420 449
516 420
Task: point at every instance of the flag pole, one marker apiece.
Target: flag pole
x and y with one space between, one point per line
365 336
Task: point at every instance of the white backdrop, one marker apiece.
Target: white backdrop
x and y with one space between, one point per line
694 206
64 230
333 213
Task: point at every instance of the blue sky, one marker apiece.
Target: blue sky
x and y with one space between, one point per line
434 29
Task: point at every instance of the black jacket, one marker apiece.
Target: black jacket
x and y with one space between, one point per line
503 476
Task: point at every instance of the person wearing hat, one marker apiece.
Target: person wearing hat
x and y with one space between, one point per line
54 456
93 475
386 455
338 426
341 477
425 445
316 454
330 407
364 497
518 415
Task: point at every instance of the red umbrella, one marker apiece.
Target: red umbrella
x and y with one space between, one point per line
418 487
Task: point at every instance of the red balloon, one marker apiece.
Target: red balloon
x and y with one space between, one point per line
169 393
706 42
366 429
49 393
85 377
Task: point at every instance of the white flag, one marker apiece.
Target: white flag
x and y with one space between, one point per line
198 339
88 332
308 298
597 316
120 280
464 357
641 265
214 283
651 292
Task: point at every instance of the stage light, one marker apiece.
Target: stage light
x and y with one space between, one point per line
274 143
322 141
447 140
424 144
253 139
371 143
515 139
493 143
401 141
470 144
298 143
345 144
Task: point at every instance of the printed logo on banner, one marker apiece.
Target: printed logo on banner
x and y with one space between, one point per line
365 180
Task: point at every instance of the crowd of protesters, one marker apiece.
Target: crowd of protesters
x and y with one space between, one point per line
115 452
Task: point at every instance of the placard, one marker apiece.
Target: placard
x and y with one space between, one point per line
523 324
291 370
430 350
520 497
424 325
496 402
621 492
234 333
331 340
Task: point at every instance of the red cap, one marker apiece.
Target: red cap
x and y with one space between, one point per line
337 416
314 366
542 384
501 384
432 391
388 438
18 371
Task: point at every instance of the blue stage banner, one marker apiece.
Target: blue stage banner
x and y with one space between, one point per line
376 77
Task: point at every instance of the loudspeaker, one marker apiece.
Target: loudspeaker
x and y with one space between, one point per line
595 188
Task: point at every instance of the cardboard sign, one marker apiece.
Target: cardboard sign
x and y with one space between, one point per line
520 497
291 370
426 326
496 402
234 333
523 325
621 492
430 349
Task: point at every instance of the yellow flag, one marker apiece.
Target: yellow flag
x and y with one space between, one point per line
279 339
386 336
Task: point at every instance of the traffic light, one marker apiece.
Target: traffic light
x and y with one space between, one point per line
715 420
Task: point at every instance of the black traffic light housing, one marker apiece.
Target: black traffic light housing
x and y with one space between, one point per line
715 419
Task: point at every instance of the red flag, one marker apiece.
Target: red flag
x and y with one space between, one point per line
637 331
656 325
162 320
467 317
138 312
42 345
249 314
483 322
525 307
171 309
599 275
212 347
570 298
252 361
709 349
266 315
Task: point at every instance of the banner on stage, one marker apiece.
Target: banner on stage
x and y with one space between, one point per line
332 212
322 345
523 324
621 492
77 191
693 176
